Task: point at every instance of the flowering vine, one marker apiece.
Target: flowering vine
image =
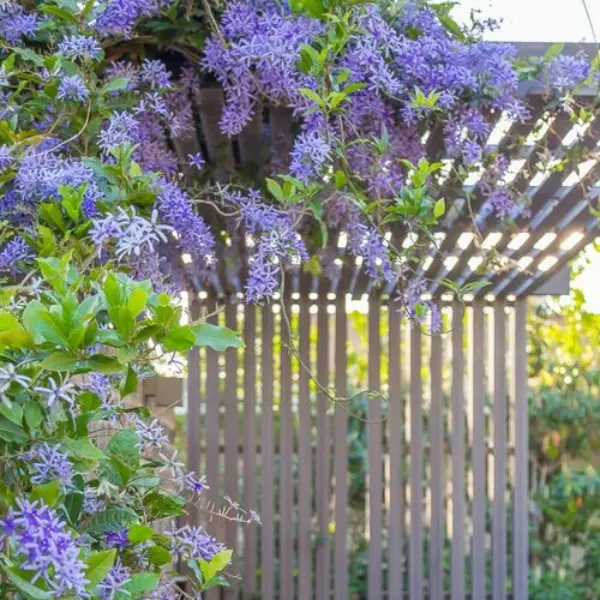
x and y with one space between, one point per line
100 233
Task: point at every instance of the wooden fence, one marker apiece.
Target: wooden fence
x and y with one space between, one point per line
446 496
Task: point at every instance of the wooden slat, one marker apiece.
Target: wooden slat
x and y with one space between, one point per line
305 486
231 434
499 424
251 140
249 578
458 457
267 458
341 453
212 432
193 400
374 452
395 426
286 444
478 448
416 469
323 556
220 151
436 440
521 525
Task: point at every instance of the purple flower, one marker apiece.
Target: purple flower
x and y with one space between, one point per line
196 160
563 72
118 575
72 87
5 157
151 434
15 251
309 157
195 237
122 129
155 74
16 24
194 483
58 391
80 47
49 463
91 503
193 542
117 539
44 546
119 17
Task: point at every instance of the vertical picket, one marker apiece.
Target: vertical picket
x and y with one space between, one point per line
305 456
250 562
193 416
395 435
267 458
499 426
341 453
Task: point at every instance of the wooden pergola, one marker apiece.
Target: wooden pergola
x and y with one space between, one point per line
447 441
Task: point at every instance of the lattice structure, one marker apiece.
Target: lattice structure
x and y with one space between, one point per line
552 228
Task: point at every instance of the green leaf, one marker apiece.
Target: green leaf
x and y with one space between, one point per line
340 179
13 413
216 565
216 337
115 85
61 361
159 556
179 339
130 383
139 533
111 520
137 301
554 50
74 500
439 209
40 326
104 364
83 448
99 565
48 492
11 432
311 95
27 589
158 505
275 189
33 415
137 586
124 444
61 13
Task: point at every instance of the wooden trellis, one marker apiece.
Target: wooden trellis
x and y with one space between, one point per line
447 440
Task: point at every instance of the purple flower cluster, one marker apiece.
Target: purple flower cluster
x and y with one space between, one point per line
5 157
279 244
194 235
119 17
122 129
310 156
364 241
563 72
49 463
263 40
193 542
418 308
80 47
150 433
15 23
15 251
118 575
117 539
44 546
72 87
41 174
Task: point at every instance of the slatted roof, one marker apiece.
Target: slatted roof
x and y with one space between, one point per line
528 252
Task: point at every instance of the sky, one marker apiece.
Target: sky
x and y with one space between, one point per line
537 20
546 21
